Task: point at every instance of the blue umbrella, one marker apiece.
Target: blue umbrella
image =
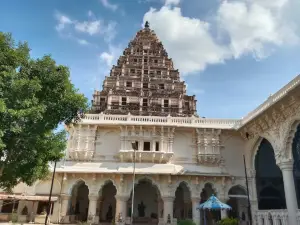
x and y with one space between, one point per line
213 203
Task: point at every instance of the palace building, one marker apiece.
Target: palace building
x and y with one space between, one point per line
143 131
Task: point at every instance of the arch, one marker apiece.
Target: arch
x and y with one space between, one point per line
295 151
178 183
79 202
254 150
42 187
75 183
182 207
207 191
238 201
237 190
107 205
107 181
268 176
148 204
289 137
145 178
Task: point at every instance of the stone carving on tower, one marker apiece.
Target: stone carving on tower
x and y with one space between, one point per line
144 82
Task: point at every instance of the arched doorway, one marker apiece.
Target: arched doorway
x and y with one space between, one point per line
238 201
296 157
269 182
211 216
148 205
182 206
107 204
79 202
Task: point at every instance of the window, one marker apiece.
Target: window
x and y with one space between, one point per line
146 146
132 70
135 60
166 103
145 102
136 146
124 100
145 71
145 85
102 99
155 61
161 86
158 72
145 60
187 105
145 51
128 84
157 146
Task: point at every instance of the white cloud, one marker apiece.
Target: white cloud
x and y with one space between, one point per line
187 40
62 20
244 27
93 26
108 58
172 2
109 5
82 42
90 27
252 27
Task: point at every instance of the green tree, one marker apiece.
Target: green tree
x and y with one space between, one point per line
36 95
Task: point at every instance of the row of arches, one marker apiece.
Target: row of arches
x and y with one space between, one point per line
269 180
148 202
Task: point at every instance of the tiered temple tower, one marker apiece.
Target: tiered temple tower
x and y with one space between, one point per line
144 82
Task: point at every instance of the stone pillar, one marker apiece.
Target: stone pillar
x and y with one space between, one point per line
223 212
93 199
121 209
168 209
196 212
54 217
160 208
1 204
64 208
289 189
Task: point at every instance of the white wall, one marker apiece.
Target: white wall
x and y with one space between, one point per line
108 144
182 147
233 154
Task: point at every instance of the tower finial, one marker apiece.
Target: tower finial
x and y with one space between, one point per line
147 25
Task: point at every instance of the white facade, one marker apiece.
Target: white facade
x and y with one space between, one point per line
179 162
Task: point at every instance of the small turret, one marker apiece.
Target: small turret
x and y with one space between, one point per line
147 25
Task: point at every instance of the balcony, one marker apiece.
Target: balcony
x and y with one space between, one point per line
192 122
145 156
81 155
209 159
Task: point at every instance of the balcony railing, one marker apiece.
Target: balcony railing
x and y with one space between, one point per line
193 122
272 216
145 156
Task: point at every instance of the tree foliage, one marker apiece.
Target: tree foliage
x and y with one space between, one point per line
35 96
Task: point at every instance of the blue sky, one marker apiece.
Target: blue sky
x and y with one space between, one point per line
232 54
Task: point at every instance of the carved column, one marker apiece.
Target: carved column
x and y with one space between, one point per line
196 212
223 212
78 137
168 209
64 208
121 209
1 204
93 199
162 140
289 189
